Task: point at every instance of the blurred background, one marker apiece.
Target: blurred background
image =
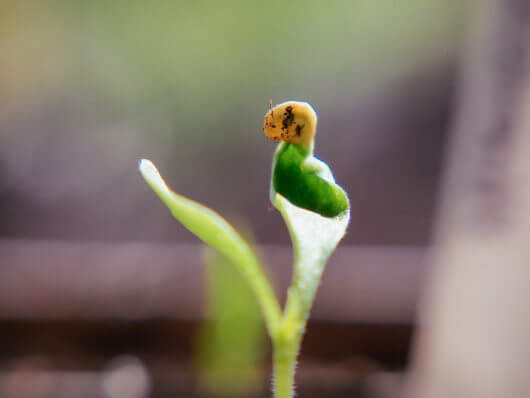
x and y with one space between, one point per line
102 293
87 88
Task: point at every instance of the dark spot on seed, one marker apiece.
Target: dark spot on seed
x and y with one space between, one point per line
273 126
288 117
298 130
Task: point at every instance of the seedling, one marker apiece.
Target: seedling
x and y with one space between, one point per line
316 211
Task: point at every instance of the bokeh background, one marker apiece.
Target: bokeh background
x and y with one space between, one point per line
100 287
88 88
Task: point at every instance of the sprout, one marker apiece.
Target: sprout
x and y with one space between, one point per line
316 211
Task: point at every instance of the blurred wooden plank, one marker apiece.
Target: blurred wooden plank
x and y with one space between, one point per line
86 280
474 342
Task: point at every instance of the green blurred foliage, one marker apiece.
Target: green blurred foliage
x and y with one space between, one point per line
202 62
230 345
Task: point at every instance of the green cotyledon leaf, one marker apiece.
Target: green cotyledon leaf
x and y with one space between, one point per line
217 233
298 177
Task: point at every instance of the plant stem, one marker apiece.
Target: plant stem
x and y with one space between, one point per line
285 352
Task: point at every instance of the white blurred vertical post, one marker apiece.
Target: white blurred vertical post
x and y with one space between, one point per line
474 341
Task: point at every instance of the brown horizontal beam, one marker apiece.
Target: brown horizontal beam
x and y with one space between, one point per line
88 344
88 280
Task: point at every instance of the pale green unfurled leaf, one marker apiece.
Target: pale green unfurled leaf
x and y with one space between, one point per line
217 233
